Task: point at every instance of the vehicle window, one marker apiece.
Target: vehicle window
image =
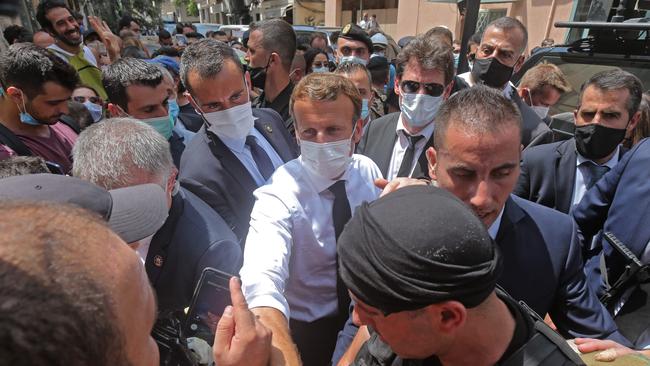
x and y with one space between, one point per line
578 70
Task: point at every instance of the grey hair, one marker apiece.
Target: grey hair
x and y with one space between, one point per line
349 68
111 153
206 57
615 80
430 53
478 110
507 24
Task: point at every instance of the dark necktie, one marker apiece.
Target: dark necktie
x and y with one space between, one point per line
407 161
595 173
341 214
262 160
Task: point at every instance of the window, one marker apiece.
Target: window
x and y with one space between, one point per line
486 16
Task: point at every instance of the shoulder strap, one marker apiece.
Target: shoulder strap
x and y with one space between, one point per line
70 122
12 141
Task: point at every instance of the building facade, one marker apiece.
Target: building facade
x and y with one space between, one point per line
401 18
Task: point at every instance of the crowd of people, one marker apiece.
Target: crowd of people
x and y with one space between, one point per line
372 205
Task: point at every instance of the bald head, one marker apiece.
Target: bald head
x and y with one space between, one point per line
63 275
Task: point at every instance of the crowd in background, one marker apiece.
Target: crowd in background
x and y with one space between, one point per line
377 206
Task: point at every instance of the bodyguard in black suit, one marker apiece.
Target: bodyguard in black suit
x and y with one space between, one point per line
498 56
238 149
557 175
477 160
397 142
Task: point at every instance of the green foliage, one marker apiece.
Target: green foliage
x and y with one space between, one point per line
143 11
192 8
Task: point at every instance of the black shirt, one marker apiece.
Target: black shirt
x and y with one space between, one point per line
377 353
280 104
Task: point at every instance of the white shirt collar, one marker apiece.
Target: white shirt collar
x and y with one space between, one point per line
494 228
427 132
611 163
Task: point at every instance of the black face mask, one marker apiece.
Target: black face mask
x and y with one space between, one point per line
258 75
491 72
595 141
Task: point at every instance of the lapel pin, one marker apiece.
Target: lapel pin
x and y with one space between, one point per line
268 128
158 261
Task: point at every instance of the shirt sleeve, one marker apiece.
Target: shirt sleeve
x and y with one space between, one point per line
267 253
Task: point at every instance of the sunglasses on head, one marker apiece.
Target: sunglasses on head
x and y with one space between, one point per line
80 99
412 87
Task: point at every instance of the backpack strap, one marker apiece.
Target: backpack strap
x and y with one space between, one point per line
12 141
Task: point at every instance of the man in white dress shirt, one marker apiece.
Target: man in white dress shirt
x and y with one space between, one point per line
290 273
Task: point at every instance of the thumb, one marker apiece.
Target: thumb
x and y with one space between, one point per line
224 332
381 183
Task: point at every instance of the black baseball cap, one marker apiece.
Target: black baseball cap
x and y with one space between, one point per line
133 213
355 33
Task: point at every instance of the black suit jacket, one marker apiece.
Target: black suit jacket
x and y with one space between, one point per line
548 174
211 171
192 238
378 141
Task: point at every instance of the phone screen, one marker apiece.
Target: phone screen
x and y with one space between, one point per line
211 296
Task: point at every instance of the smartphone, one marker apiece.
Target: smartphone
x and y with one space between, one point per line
181 40
211 296
54 168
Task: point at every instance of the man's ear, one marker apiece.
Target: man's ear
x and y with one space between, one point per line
452 315
448 89
519 63
633 122
358 131
16 95
115 111
432 160
396 85
171 181
523 94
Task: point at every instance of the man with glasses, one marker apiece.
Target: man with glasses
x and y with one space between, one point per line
397 142
353 45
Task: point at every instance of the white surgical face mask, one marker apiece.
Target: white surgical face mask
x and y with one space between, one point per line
329 159
233 123
420 109
94 109
541 111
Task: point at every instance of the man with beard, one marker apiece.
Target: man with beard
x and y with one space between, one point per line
34 94
55 18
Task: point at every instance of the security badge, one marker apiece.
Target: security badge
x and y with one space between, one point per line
346 29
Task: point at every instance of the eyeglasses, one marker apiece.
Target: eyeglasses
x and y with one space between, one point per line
81 99
412 87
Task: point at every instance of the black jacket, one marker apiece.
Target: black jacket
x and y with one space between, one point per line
211 171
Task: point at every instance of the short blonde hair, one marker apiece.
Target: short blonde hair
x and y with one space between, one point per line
542 75
326 86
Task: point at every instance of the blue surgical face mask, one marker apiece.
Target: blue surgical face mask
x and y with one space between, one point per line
174 109
95 110
27 118
163 125
456 59
321 69
354 59
365 111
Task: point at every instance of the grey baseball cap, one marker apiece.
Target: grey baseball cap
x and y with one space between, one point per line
133 213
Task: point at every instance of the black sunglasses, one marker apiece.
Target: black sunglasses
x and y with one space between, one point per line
412 87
